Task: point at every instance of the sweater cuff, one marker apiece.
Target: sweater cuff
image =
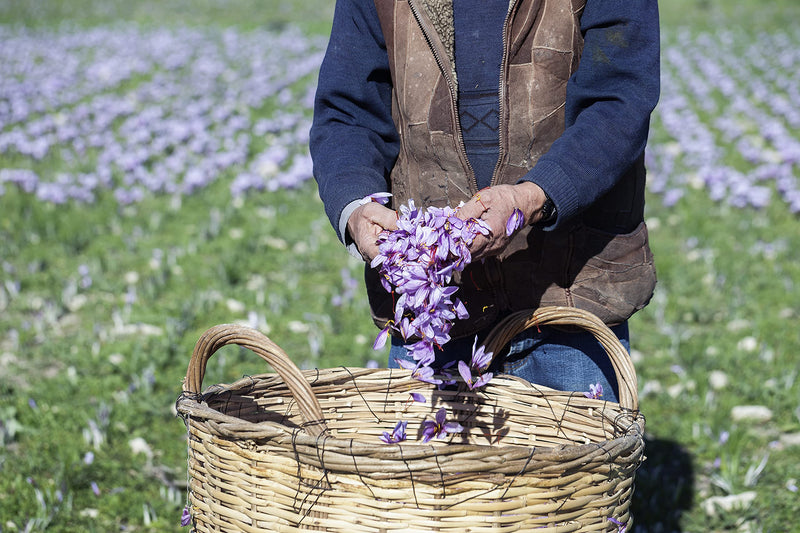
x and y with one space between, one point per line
557 186
344 235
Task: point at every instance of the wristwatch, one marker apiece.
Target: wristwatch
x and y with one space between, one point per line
548 211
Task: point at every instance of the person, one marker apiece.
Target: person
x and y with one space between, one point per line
539 105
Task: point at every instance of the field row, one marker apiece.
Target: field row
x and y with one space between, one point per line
153 111
728 119
136 111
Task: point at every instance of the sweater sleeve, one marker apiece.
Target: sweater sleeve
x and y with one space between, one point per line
609 101
353 140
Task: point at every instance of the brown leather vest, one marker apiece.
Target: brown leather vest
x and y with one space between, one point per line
609 274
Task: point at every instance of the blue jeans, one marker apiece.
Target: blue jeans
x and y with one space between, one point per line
549 356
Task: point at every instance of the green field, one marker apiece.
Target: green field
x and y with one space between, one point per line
102 300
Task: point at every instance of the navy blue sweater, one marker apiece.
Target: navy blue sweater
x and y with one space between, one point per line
354 142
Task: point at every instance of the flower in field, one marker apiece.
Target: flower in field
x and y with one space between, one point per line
186 517
515 221
398 434
439 427
595 391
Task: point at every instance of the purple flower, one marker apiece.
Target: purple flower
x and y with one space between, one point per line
466 374
186 517
417 262
595 391
417 397
380 197
420 372
515 221
481 359
439 428
95 488
398 434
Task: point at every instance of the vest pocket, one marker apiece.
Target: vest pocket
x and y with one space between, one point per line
612 275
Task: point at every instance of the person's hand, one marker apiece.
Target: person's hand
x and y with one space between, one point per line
494 205
366 223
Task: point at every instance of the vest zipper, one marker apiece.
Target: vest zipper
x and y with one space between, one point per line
501 90
444 66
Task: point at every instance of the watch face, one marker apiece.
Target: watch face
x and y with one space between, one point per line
548 210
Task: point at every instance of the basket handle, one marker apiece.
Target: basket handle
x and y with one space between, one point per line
518 322
218 336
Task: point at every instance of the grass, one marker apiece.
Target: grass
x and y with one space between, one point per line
88 439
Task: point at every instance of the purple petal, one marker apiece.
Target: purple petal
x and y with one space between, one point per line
428 430
380 197
417 397
482 380
466 375
406 364
453 427
515 221
480 358
186 517
380 340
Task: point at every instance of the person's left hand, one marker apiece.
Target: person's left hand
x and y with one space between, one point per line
495 205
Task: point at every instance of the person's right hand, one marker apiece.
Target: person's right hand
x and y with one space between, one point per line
366 223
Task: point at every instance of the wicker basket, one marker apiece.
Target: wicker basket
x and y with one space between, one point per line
300 450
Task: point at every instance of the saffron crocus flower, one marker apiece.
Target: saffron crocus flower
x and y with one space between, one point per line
380 197
595 391
417 262
439 427
481 359
398 434
515 221
186 517
473 382
422 373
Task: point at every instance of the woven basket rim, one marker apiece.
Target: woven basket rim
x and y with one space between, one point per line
627 424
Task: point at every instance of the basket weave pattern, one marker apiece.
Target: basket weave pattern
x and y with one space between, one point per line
300 450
